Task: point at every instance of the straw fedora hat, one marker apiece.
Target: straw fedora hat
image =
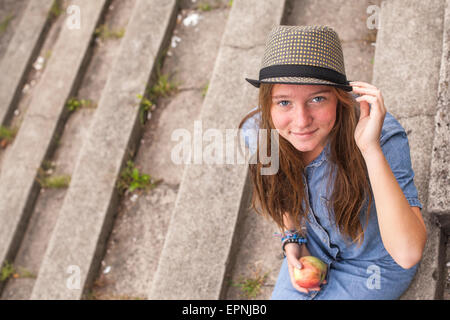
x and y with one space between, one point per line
303 55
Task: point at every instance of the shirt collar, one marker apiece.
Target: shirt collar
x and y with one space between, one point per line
321 157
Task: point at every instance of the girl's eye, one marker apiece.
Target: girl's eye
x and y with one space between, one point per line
281 103
322 98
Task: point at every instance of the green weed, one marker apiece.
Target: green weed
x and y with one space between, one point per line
55 182
46 180
131 179
104 32
4 24
6 271
163 87
251 287
204 6
25 273
7 133
73 104
144 107
57 9
205 90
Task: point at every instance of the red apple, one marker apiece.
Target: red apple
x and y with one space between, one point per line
312 273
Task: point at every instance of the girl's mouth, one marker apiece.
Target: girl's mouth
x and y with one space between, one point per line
304 135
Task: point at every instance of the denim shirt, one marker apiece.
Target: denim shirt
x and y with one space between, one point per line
355 272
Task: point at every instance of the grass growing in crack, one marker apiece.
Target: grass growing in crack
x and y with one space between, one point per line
46 180
104 32
6 271
47 56
163 87
9 271
205 90
25 273
5 22
55 182
204 6
73 104
7 135
251 287
131 179
144 107
57 9
211 5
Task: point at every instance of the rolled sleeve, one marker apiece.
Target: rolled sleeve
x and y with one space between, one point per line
396 149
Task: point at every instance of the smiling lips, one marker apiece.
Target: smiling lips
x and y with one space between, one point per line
307 134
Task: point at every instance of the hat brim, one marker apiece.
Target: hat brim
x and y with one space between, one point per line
299 80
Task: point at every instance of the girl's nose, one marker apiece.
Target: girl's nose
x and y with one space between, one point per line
302 118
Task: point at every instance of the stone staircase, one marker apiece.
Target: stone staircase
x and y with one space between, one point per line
193 231
414 78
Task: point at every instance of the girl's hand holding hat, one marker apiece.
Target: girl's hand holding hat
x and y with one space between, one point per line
368 129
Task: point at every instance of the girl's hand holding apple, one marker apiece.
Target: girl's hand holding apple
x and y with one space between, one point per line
311 273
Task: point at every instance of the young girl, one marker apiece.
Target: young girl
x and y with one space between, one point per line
345 183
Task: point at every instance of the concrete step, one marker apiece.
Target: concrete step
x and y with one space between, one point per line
92 196
408 59
196 252
21 51
139 230
44 118
439 187
50 199
11 12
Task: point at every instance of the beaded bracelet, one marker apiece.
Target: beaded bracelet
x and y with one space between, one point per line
299 240
288 233
291 236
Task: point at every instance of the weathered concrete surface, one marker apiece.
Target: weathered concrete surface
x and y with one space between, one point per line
21 50
76 129
18 187
439 186
203 222
137 239
33 75
191 65
11 11
34 243
407 72
92 195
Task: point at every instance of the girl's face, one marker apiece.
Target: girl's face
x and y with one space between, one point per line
300 109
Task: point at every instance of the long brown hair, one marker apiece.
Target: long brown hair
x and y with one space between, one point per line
284 191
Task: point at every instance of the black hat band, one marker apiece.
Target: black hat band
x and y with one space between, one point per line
292 70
